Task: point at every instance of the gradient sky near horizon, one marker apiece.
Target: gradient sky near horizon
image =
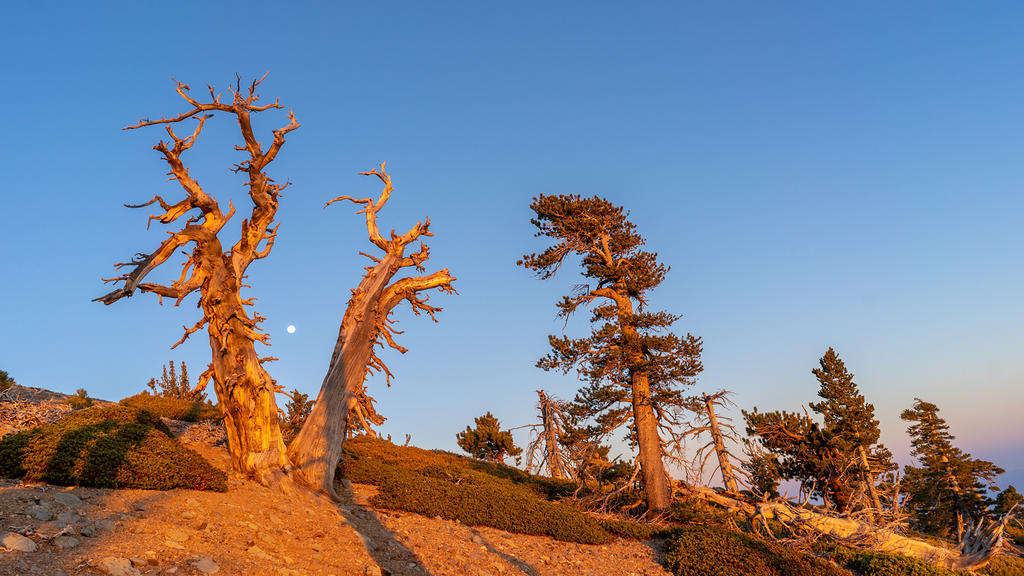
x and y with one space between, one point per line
816 174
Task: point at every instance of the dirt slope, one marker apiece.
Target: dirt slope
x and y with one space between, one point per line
254 530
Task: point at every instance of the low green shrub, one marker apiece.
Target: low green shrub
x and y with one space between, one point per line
632 530
1015 531
715 551
79 400
107 447
871 563
174 408
457 488
1004 565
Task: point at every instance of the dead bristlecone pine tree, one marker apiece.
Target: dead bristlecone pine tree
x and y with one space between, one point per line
245 391
634 367
366 324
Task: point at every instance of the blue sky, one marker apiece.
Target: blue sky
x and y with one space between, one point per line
815 174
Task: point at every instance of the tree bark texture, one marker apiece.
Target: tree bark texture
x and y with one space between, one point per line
656 483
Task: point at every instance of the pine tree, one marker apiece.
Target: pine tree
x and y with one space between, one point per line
850 424
835 459
1007 501
171 385
488 441
5 381
948 492
297 410
634 367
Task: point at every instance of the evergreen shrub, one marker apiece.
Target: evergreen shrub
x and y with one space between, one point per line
871 563
174 408
1004 565
434 483
107 447
715 551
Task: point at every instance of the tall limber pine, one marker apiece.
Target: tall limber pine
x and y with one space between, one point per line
634 367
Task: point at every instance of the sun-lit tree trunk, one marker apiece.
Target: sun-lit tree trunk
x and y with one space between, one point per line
317 448
718 440
244 389
649 445
656 486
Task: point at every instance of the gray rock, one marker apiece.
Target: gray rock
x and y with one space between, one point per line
69 517
18 543
39 513
67 499
65 542
140 507
118 567
105 524
205 565
88 531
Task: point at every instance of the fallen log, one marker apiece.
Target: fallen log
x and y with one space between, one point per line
980 543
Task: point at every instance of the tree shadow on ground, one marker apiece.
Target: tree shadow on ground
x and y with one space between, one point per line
525 567
390 554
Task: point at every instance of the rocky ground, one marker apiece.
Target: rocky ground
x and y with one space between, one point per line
61 531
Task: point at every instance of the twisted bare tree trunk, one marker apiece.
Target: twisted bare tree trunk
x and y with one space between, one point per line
244 389
317 448
551 430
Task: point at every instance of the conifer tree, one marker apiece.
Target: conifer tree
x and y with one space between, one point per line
6 382
171 385
297 410
1008 501
488 441
948 492
634 367
836 459
851 424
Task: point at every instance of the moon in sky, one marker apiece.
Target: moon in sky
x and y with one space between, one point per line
291 329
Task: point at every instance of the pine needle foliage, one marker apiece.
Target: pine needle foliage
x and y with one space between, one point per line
487 441
171 385
828 456
948 490
296 411
6 382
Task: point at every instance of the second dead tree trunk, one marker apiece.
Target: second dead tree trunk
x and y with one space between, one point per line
317 448
718 441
